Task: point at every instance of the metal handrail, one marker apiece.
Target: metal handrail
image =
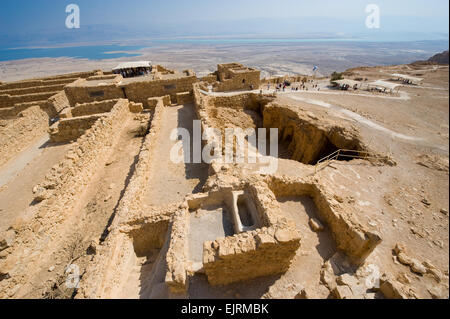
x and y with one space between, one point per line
365 155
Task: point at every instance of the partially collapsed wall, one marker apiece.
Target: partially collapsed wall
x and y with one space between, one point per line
235 76
56 103
17 134
84 91
140 91
70 129
77 120
351 236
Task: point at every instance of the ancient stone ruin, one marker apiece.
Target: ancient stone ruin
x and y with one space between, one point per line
137 225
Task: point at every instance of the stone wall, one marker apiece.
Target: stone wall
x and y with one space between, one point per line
241 81
177 254
78 93
56 103
7 100
12 112
268 250
351 236
75 121
281 79
140 91
17 134
235 76
55 80
155 101
93 108
243 257
70 129
211 78
185 98
33 90
135 91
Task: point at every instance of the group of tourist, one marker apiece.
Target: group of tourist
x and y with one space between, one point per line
131 73
281 87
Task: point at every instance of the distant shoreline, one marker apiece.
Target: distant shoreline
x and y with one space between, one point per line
114 49
272 58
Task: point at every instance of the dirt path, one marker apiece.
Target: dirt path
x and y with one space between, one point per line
18 178
356 117
403 95
171 182
13 167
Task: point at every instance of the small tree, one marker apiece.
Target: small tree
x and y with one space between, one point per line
336 76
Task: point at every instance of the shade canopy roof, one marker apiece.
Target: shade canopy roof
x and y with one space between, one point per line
348 82
408 77
384 84
133 65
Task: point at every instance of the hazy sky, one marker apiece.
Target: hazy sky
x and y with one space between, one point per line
21 16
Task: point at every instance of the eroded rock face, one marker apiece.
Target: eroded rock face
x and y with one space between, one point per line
309 139
7 239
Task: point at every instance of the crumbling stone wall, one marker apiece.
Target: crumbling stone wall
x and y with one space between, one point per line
185 98
7 100
77 92
281 79
52 106
210 78
235 76
263 252
56 103
70 129
351 236
47 93
85 115
55 80
93 108
177 254
12 112
33 90
140 91
17 134
155 101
